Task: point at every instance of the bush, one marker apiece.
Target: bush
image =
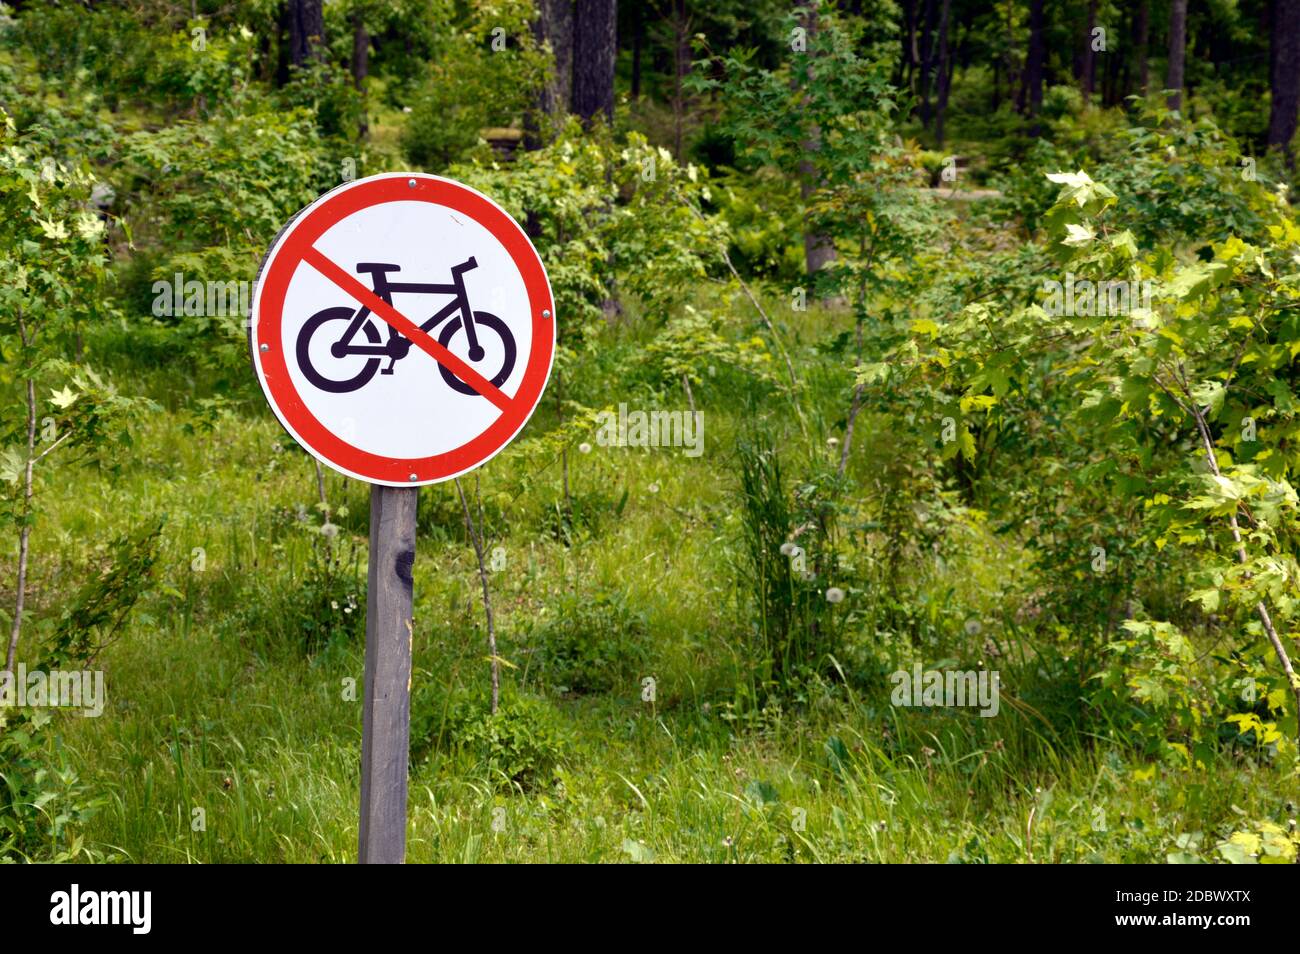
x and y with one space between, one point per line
117 577
326 91
470 85
41 804
42 800
592 644
521 746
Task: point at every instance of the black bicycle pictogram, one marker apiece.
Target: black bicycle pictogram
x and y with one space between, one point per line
397 346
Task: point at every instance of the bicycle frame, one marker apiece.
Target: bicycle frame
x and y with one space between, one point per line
397 345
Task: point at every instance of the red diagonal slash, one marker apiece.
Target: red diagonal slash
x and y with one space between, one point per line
421 339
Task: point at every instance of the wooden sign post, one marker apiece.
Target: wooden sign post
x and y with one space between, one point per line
368 385
386 719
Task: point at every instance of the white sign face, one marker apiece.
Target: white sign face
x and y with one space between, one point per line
403 329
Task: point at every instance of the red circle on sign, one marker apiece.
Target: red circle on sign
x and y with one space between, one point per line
296 243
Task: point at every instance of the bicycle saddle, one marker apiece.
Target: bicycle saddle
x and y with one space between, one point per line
376 267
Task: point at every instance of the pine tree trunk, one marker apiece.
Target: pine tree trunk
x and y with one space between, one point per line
1035 60
944 75
306 30
282 43
1285 78
638 41
681 66
927 60
553 27
1177 52
1143 41
907 61
361 65
818 248
1089 78
594 50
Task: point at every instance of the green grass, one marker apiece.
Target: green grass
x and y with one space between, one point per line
213 706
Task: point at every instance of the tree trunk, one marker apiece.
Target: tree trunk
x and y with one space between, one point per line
594 49
681 66
927 60
944 76
907 61
1177 52
553 27
1143 41
638 41
1116 70
282 43
361 65
1261 607
818 248
306 30
1013 64
266 53
1034 62
1089 78
1285 78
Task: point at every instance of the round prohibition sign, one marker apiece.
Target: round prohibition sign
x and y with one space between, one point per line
403 329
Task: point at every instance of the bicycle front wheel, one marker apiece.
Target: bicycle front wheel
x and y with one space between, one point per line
504 352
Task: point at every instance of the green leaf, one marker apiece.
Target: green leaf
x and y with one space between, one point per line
12 465
1077 235
638 852
64 398
761 793
1209 395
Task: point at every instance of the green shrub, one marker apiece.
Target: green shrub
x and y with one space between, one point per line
328 93
118 575
470 85
43 803
520 746
591 643
42 800
329 603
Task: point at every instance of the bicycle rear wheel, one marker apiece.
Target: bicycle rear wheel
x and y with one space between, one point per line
335 385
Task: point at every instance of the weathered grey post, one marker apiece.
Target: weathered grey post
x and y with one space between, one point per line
386 723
